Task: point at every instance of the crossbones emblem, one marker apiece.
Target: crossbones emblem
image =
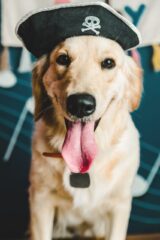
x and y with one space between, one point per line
91 23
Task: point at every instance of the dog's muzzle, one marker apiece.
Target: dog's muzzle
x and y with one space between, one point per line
81 105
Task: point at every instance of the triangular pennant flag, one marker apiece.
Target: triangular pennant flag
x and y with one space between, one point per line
156 58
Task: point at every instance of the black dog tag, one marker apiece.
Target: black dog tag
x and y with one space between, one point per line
79 180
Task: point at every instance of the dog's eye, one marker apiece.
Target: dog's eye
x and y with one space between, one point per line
108 63
63 60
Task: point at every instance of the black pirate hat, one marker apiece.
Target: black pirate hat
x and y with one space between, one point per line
42 30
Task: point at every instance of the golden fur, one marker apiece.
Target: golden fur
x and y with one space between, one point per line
103 209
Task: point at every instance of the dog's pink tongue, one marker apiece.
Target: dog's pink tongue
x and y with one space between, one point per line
79 148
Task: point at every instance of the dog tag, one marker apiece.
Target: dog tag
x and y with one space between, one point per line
79 180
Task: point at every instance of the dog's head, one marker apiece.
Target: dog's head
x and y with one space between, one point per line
80 78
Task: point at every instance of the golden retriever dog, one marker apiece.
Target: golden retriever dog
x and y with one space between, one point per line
84 92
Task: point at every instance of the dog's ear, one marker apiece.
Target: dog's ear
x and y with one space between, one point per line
134 88
42 100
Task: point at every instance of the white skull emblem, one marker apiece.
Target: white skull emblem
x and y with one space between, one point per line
91 23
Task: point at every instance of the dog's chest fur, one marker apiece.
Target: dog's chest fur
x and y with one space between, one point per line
108 174
93 200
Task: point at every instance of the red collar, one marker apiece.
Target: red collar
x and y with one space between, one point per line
54 155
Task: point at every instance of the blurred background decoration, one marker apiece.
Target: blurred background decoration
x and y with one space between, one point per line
17 107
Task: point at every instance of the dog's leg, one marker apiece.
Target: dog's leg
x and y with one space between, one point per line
119 220
42 215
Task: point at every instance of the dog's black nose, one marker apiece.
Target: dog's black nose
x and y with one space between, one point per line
81 105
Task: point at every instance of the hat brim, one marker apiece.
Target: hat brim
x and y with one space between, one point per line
42 30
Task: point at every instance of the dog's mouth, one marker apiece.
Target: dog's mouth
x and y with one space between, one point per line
79 147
